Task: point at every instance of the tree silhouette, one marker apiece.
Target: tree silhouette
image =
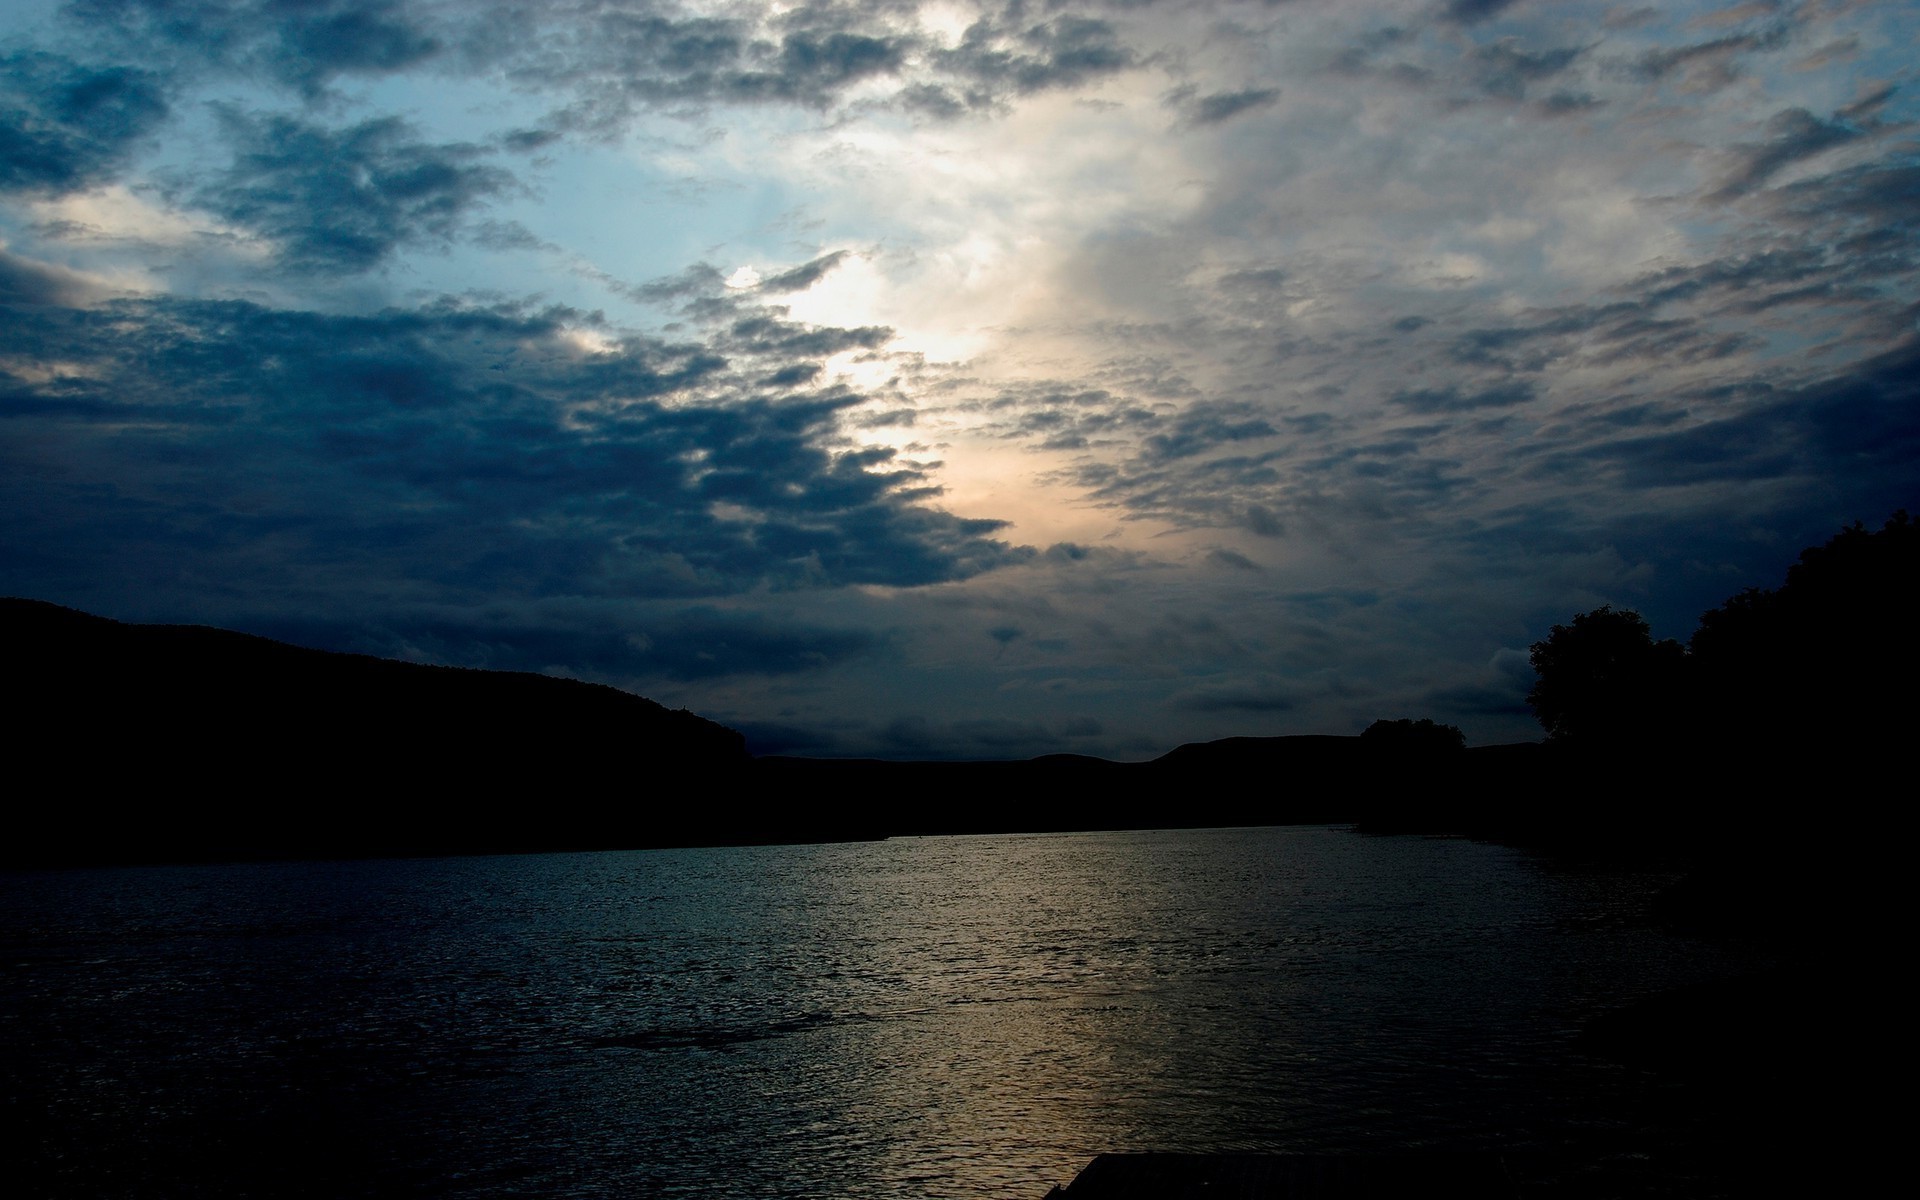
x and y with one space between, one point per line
1817 673
1604 683
1422 738
1831 654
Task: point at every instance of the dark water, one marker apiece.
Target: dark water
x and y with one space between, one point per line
950 1017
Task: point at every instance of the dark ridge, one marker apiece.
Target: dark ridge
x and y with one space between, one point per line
149 743
154 743
175 742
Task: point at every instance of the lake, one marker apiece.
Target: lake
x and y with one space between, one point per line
920 1017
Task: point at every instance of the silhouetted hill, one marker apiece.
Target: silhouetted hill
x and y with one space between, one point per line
162 741
1306 779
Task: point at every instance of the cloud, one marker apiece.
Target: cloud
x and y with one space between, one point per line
1453 400
1252 696
24 281
1472 12
677 643
303 46
346 199
1796 134
1204 427
1221 107
1327 348
65 125
1507 70
804 276
974 738
447 451
1232 559
1709 65
763 333
993 60
1863 427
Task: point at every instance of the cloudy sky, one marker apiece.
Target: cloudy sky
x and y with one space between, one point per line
949 378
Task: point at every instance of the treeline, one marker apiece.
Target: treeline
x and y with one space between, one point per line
1785 703
1815 674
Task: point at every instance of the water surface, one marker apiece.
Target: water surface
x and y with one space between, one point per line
940 1017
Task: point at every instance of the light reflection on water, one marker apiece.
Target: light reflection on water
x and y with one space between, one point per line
960 1017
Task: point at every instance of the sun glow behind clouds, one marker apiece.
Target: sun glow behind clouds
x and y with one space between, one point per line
1442 305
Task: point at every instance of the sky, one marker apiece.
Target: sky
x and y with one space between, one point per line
949 379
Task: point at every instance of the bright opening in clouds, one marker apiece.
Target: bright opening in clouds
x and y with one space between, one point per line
952 378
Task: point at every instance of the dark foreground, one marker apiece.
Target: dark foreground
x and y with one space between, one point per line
1290 1177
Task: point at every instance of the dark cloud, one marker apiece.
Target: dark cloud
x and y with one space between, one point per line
891 418
1560 104
811 65
1868 107
1261 520
1453 400
614 59
1224 106
795 375
448 452
345 199
805 275
1480 700
1363 58
704 643
304 44
1228 558
528 141
605 61
1708 65
26 282
1855 433
508 235
1879 192
1472 12
1793 135
351 38
1259 281
1855 237
1067 418
994 59
65 125
690 642
1250 697
919 737
1205 427
1508 71
932 99
763 333
1505 69
695 282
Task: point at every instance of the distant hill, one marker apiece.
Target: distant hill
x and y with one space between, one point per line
1302 779
144 742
